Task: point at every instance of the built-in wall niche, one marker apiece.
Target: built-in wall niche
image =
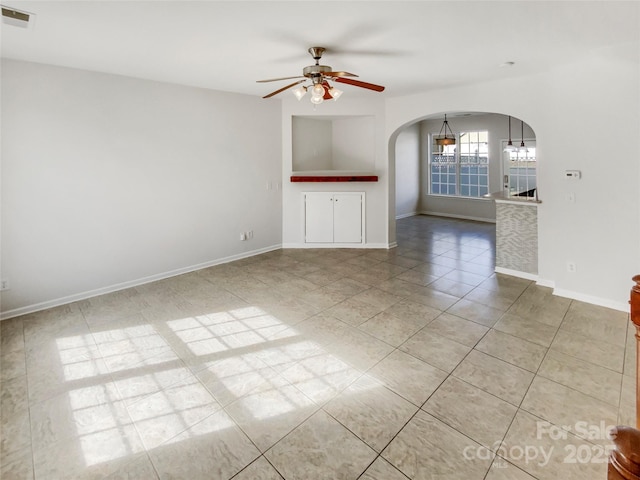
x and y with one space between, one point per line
325 144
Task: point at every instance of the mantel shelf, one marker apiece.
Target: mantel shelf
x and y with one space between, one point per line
336 176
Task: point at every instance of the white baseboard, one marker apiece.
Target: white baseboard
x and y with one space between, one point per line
517 273
407 215
462 217
133 283
602 302
385 246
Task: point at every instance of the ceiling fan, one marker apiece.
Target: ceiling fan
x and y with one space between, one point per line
320 76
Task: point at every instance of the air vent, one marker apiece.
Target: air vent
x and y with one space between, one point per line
17 18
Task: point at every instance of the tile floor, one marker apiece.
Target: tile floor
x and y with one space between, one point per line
417 362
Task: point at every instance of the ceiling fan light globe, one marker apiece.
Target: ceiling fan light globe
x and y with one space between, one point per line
316 99
335 93
300 92
318 90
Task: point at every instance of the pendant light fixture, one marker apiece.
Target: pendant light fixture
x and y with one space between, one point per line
510 146
441 141
522 148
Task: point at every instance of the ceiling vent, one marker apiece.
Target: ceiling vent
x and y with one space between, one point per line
17 18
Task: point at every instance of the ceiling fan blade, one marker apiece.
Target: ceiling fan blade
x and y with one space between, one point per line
284 88
358 83
339 74
277 79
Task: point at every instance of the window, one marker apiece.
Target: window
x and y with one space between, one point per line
462 169
521 168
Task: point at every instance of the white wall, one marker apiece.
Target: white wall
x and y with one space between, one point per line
312 144
573 110
108 181
354 146
408 171
376 234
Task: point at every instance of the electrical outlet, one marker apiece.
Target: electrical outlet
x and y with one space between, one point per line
571 267
4 285
243 237
250 234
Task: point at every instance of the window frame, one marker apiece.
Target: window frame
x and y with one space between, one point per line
457 168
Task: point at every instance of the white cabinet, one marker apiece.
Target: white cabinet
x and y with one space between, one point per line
332 217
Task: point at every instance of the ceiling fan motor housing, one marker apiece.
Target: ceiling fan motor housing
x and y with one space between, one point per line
312 70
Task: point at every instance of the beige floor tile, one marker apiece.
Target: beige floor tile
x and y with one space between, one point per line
529 330
429 449
549 458
382 470
503 470
491 298
539 304
475 413
627 410
457 329
274 339
271 412
214 448
12 335
371 411
399 287
451 287
467 278
514 350
476 312
590 350
260 469
417 277
599 323
439 351
568 408
163 415
19 467
434 298
15 436
354 312
321 448
322 377
408 376
392 329
494 376
377 297
598 382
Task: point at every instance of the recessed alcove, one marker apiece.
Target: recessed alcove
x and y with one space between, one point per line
333 145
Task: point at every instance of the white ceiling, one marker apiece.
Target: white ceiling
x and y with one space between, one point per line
406 46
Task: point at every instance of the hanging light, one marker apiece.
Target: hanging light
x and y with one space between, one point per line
522 148
317 94
300 92
445 140
335 93
510 146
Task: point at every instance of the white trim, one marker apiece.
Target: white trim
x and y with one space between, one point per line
544 282
133 283
602 302
517 273
385 246
462 217
407 215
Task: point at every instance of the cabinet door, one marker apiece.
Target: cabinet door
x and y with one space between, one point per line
347 217
318 217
